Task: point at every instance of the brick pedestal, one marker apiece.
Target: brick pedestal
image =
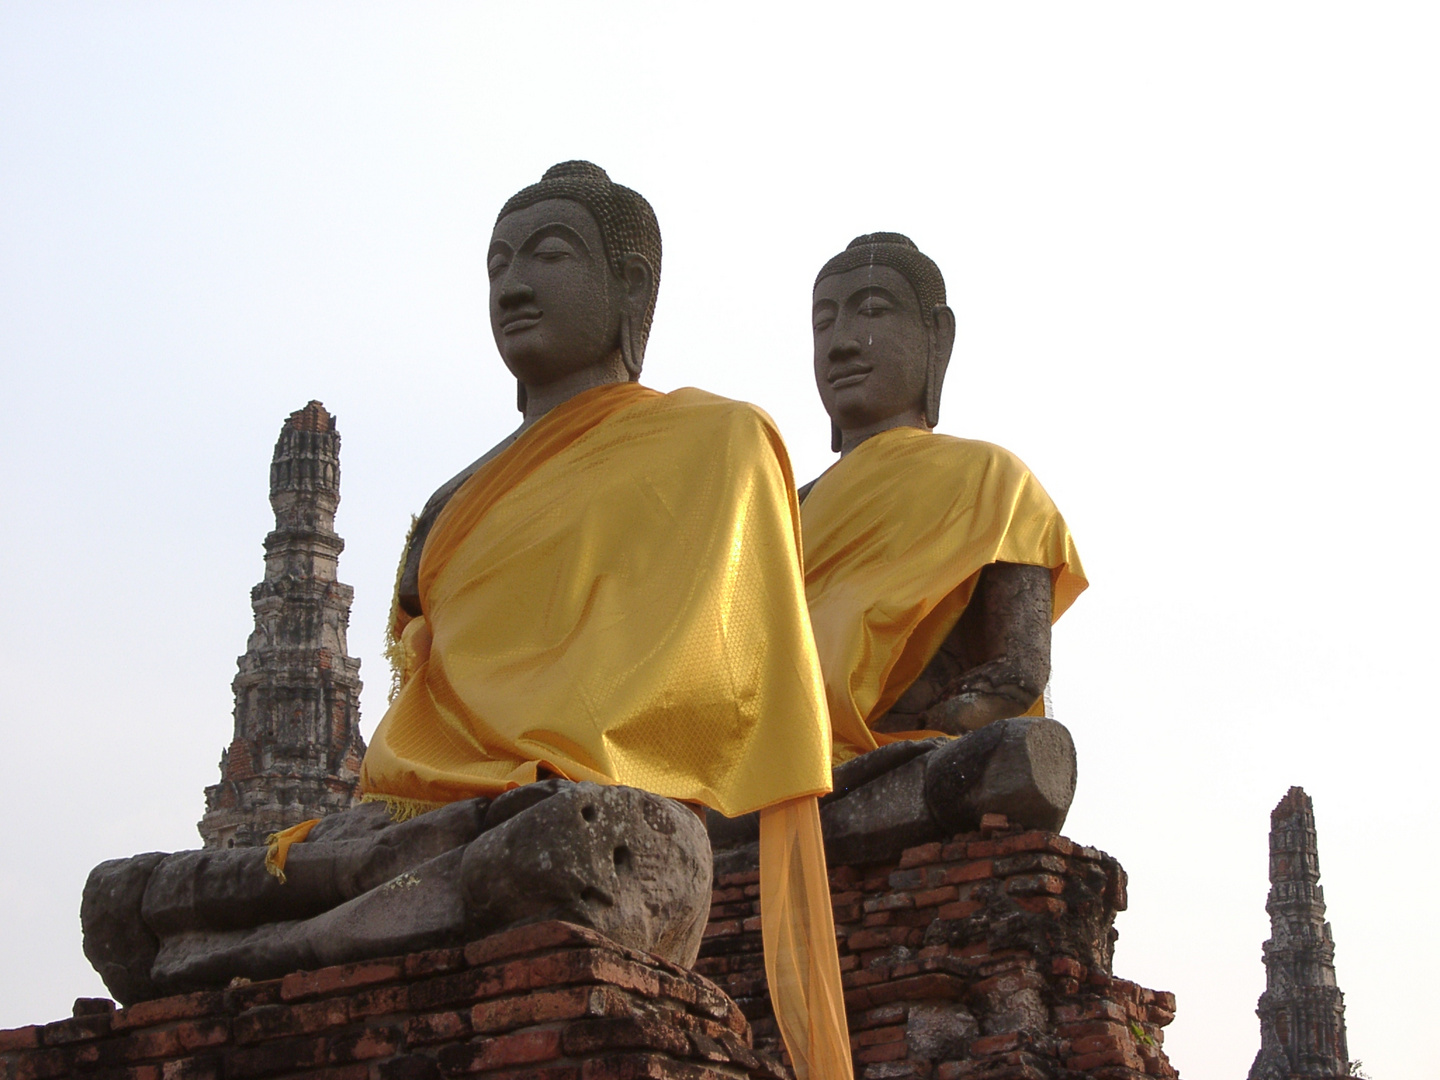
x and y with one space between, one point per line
544 1002
987 957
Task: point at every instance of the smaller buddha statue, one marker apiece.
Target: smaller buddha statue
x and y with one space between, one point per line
934 567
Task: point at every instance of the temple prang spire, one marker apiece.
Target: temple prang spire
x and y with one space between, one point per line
297 748
1302 1012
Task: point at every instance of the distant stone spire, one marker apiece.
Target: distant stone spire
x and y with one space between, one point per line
1302 1012
297 747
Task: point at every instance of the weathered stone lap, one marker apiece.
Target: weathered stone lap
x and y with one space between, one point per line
880 819
633 866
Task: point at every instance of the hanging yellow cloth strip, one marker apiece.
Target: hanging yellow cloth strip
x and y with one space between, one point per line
277 846
797 926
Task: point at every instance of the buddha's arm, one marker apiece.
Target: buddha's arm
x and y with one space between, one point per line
410 576
993 665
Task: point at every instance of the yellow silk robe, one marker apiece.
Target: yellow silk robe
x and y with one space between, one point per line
617 597
896 534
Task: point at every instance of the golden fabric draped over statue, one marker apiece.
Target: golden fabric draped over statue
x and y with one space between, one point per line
896 534
616 597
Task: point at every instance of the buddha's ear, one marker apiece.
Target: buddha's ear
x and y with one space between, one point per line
942 343
638 277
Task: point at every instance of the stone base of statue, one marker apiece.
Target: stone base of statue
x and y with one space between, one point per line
550 1001
987 954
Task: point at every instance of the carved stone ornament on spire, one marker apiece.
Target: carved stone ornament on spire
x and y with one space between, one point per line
1302 1012
297 748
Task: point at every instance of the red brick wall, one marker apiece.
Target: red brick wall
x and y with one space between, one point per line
988 956
544 1002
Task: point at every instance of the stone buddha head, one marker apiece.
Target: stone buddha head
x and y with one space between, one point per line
883 337
574 266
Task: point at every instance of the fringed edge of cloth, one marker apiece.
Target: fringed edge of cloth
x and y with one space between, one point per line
277 846
401 809
797 926
394 647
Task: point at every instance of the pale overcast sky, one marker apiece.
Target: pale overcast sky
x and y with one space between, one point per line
1191 247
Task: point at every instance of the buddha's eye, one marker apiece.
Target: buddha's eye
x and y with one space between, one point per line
873 309
497 266
552 249
824 322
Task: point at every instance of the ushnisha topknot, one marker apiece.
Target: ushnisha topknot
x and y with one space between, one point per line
627 222
899 253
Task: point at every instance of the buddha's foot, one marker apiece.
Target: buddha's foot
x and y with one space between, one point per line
911 793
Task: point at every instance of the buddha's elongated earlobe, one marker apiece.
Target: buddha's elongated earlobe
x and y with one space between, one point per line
632 353
639 277
937 361
835 439
933 380
521 400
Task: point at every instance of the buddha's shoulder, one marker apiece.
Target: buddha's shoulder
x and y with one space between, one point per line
712 414
906 460
972 453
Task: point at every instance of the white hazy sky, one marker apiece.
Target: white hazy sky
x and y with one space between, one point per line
1192 249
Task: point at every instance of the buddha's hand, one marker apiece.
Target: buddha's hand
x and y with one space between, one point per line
996 690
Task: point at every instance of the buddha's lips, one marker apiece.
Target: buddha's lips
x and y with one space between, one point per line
521 320
848 375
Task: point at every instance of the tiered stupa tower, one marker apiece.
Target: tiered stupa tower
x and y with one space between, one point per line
297 747
1302 1012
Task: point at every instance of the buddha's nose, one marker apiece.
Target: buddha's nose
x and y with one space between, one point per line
843 348
515 293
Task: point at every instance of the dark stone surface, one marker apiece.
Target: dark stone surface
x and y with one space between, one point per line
911 793
117 942
418 909
940 1029
859 771
993 665
878 820
630 864
1023 768
359 850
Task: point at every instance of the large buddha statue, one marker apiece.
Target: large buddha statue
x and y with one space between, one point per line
934 567
599 621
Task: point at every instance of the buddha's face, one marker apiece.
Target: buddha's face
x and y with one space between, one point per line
554 302
871 347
